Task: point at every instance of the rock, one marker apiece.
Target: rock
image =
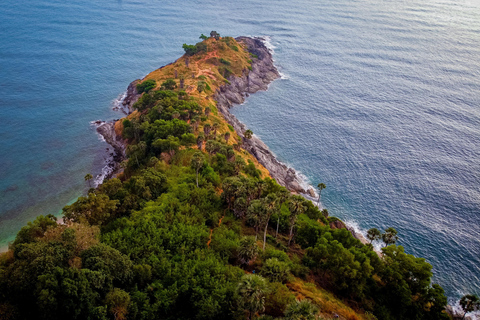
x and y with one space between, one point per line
132 96
338 224
107 130
263 72
311 193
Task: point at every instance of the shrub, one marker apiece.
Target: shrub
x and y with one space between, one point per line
146 86
275 270
230 128
169 84
235 48
226 62
190 49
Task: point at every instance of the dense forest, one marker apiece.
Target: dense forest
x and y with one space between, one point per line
194 228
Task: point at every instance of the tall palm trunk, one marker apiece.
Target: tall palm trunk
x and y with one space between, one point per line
278 223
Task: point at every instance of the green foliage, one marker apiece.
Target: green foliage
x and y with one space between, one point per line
190 50
225 62
275 270
203 37
301 310
93 209
171 236
248 250
146 86
251 293
169 84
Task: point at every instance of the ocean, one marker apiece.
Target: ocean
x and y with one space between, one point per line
379 100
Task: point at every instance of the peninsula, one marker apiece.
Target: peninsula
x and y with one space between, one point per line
198 220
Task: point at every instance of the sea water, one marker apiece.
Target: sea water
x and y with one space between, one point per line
379 100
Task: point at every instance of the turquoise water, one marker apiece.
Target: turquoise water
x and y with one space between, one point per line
379 100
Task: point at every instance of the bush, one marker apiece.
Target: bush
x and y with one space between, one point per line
190 49
230 128
275 270
226 62
169 84
146 86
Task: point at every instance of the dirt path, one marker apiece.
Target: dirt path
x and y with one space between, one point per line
211 230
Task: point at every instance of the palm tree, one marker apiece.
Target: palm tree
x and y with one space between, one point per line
206 129
251 293
200 139
247 250
197 162
320 187
215 126
301 310
88 177
469 303
374 234
390 236
296 207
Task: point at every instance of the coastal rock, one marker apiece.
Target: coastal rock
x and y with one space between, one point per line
311 193
338 224
262 74
107 130
132 96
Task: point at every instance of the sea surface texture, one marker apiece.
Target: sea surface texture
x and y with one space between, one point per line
379 100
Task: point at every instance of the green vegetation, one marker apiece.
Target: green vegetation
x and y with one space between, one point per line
226 62
146 86
194 229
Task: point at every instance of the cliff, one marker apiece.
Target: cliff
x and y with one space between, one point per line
262 74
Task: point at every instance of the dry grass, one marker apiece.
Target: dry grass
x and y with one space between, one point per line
328 304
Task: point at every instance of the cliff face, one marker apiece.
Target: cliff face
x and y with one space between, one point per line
262 74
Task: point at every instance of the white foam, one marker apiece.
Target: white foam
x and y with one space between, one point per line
117 104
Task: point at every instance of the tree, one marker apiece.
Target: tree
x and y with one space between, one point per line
146 86
170 145
203 37
301 310
469 303
190 49
206 129
275 270
248 134
95 209
296 207
251 293
390 236
227 136
200 139
197 162
215 34
247 250
374 234
88 177
118 301
169 84
320 187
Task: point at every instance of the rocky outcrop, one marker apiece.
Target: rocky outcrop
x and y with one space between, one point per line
107 130
262 74
131 97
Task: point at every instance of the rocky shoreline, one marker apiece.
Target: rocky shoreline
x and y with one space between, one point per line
239 88
262 74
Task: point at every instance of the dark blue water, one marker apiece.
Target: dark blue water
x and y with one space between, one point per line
380 100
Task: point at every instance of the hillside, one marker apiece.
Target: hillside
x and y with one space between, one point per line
194 227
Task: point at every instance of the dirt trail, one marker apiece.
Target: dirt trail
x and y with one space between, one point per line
211 230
